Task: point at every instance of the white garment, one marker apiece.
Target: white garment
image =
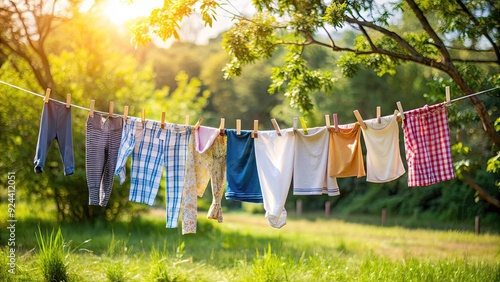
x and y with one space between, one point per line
383 157
310 170
274 156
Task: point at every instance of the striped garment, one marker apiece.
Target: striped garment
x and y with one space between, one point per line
160 148
102 143
427 145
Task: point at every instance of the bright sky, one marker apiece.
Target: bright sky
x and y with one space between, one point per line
120 12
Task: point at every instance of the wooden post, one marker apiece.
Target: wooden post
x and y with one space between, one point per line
478 225
384 215
298 207
327 209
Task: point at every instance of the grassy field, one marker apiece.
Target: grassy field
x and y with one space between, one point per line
245 248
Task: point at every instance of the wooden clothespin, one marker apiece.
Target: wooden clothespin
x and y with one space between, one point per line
400 109
335 122
360 119
255 128
238 127
111 106
162 120
304 125
68 101
295 121
327 122
47 95
143 116
379 119
222 126
448 99
92 104
198 123
276 126
187 119
125 113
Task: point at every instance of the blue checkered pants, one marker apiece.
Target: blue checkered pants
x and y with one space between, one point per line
160 148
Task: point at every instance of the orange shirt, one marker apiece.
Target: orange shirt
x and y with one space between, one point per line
345 158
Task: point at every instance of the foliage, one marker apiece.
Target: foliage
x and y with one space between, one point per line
52 256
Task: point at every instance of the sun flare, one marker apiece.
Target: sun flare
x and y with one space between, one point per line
120 12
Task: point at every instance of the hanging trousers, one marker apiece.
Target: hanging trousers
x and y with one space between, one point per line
55 123
102 145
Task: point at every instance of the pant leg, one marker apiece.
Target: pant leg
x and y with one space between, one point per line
65 138
218 178
95 142
145 180
177 139
46 134
113 137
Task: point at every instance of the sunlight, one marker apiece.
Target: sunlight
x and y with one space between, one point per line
120 12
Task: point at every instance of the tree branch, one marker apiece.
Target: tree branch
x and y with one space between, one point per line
482 193
430 31
481 28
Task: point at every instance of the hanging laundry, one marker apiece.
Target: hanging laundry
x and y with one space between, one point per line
274 155
345 158
129 145
383 157
242 177
55 123
161 148
427 145
310 170
102 142
206 160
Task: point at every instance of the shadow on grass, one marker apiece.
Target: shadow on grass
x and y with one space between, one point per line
140 236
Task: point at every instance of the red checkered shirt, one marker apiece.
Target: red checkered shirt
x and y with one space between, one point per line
427 145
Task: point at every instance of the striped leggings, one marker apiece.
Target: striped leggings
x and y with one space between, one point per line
102 145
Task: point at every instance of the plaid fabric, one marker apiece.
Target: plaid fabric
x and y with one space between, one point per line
427 145
127 145
160 148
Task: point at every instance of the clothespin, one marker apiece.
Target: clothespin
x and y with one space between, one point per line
379 120
360 120
198 123
162 120
335 122
143 116
68 101
327 122
125 113
111 106
295 123
92 104
447 90
187 119
276 126
303 124
255 128
400 109
47 95
238 127
222 125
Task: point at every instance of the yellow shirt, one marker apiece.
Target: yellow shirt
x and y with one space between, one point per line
345 157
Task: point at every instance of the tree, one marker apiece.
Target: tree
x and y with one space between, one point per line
458 38
89 66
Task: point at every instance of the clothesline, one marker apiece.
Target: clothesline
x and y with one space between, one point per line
101 112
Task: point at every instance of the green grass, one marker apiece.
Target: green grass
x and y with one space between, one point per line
246 248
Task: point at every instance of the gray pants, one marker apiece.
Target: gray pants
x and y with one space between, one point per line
55 123
102 144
